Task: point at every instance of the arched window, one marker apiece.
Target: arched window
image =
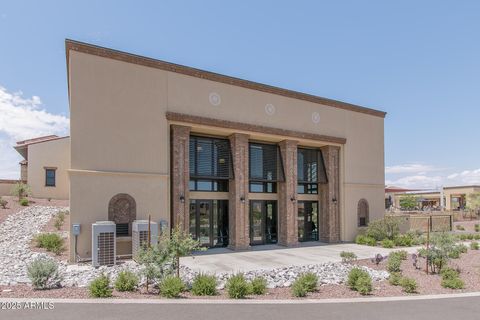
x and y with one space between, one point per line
122 210
362 213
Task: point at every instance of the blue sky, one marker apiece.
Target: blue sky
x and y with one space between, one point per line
417 60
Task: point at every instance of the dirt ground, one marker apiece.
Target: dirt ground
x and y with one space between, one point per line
13 205
468 264
469 225
50 227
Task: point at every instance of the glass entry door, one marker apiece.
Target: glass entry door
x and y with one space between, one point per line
307 221
209 222
263 222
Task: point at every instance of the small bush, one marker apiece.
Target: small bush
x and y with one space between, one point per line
462 248
359 280
126 281
386 228
3 203
449 273
387 243
43 273
460 227
477 227
347 256
403 240
455 283
51 242
298 289
59 220
395 278
409 285
100 287
171 287
237 287
204 285
474 245
401 254
310 280
24 202
259 286
365 240
21 190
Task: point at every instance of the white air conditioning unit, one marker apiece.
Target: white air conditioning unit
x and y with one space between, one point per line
104 247
140 235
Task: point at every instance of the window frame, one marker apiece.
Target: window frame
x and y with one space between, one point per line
279 175
194 175
54 170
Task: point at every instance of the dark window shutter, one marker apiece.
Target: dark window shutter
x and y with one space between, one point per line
265 163
210 158
310 166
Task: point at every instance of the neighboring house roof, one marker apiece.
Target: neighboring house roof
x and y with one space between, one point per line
193 72
462 187
393 189
22 146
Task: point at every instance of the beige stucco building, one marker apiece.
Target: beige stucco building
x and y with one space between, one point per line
234 162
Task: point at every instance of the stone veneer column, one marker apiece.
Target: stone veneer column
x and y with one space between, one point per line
180 175
330 209
238 216
287 213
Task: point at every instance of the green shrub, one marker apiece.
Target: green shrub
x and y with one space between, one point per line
52 242
24 202
462 248
476 236
449 273
171 287
409 285
394 264
204 285
454 283
359 280
457 250
259 286
126 281
395 278
100 287
400 254
310 280
365 240
477 227
460 227
474 245
388 227
403 240
298 289
21 190
364 285
59 220
3 203
237 287
43 273
347 256
387 243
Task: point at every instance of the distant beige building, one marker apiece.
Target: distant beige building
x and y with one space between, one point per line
45 165
234 162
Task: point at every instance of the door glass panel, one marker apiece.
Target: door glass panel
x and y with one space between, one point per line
271 222
308 221
204 222
256 223
193 214
314 234
301 221
216 211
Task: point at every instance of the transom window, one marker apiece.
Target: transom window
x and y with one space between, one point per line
50 177
265 167
210 164
310 170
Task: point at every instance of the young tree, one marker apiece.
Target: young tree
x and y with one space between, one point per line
408 202
21 190
473 202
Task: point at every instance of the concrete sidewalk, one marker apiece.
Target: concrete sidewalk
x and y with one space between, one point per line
272 256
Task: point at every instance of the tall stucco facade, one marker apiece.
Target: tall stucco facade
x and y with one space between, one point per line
132 123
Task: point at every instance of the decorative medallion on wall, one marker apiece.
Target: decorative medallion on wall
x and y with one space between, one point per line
215 99
315 117
269 109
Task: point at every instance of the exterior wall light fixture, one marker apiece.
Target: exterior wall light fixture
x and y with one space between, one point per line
182 199
334 200
242 199
292 198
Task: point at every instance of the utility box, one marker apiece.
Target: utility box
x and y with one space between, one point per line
140 235
104 244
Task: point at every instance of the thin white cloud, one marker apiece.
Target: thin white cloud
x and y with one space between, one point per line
23 118
465 177
417 182
418 168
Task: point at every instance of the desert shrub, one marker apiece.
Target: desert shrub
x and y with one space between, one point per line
462 248
171 287
359 280
52 242
386 228
24 202
460 227
477 227
237 287
457 250
451 279
59 220
298 289
394 263
21 190
442 247
387 243
347 256
474 245
126 281
3 203
259 285
310 281
43 273
100 287
409 285
449 273
204 285
400 254
476 237
365 240
403 240
395 278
